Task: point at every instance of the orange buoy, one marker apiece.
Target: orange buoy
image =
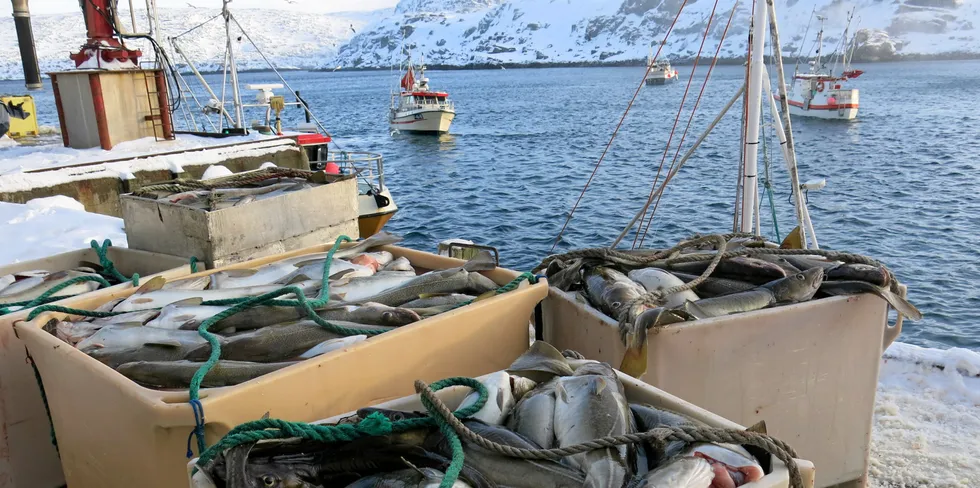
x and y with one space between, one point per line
331 168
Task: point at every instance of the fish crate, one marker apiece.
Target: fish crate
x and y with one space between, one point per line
113 433
264 227
27 457
809 370
636 392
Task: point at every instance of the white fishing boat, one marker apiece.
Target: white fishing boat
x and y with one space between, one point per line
661 72
418 108
821 92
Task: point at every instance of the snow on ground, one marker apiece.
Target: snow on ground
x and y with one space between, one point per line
927 419
47 226
15 158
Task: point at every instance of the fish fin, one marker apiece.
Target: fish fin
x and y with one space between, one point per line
240 273
310 262
793 240
188 302
489 294
758 427
164 343
152 285
56 276
597 386
483 261
433 295
560 392
500 399
297 279
635 361
340 274
901 305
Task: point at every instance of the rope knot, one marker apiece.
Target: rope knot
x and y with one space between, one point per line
374 424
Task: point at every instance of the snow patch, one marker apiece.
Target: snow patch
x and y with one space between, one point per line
216 171
53 225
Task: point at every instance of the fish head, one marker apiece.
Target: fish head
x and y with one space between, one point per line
798 287
397 317
274 475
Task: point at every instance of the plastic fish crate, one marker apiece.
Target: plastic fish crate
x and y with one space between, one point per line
810 370
113 433
636 392
27 458
264 227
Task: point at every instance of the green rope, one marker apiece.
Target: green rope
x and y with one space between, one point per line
109 269
193 264
49 296
70 311
373 425
767 183
44 399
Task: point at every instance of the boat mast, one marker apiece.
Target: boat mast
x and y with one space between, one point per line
757 42
818 63
236 94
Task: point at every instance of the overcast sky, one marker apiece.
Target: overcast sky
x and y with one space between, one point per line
60 6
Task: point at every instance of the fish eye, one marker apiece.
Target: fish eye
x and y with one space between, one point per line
397 416
268 480
800 276
616 304
386 315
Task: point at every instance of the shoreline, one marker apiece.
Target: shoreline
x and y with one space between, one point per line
686 61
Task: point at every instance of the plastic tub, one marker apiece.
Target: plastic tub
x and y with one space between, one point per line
27 458
809 370
113 433
636 392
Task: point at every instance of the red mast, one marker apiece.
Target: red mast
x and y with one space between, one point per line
102 44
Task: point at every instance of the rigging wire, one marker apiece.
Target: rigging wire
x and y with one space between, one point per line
620 124
704 84
680 109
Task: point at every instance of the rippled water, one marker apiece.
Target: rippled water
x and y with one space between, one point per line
902 180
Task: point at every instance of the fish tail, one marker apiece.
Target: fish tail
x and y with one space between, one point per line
900 304
483 261
635 361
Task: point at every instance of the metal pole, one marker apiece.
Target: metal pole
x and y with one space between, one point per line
785 122
173 42
754 107
680 164
236 94
25 40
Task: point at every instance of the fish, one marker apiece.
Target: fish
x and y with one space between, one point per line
439 300
354 289
685 472
780 261
400 264
733 466
331 345
655 279
35 286
366 260
6 280
799 287
854 287
590 405
75 332
406 478
804 263
377 240
178 374
151 295
117 344
464 278
186 314
500 399
612 291
714 286
366 313
534 415
511 472
273 343
742 267
540 363
649 418
876 275
197 283
634 335
339 268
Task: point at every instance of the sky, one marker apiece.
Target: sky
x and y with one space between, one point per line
39 7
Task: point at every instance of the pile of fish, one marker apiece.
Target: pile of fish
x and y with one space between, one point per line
211 199
542 401
154 339
28 285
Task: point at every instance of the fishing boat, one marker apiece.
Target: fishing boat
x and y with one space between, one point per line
821 92
418 108
661 72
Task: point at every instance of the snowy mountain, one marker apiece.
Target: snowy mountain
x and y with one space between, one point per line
474 32
481 32
312 37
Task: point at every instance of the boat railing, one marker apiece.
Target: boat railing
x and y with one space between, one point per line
368 167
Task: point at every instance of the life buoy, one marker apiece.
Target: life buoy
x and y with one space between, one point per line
820 86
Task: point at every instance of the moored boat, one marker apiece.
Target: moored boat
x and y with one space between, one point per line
418 108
